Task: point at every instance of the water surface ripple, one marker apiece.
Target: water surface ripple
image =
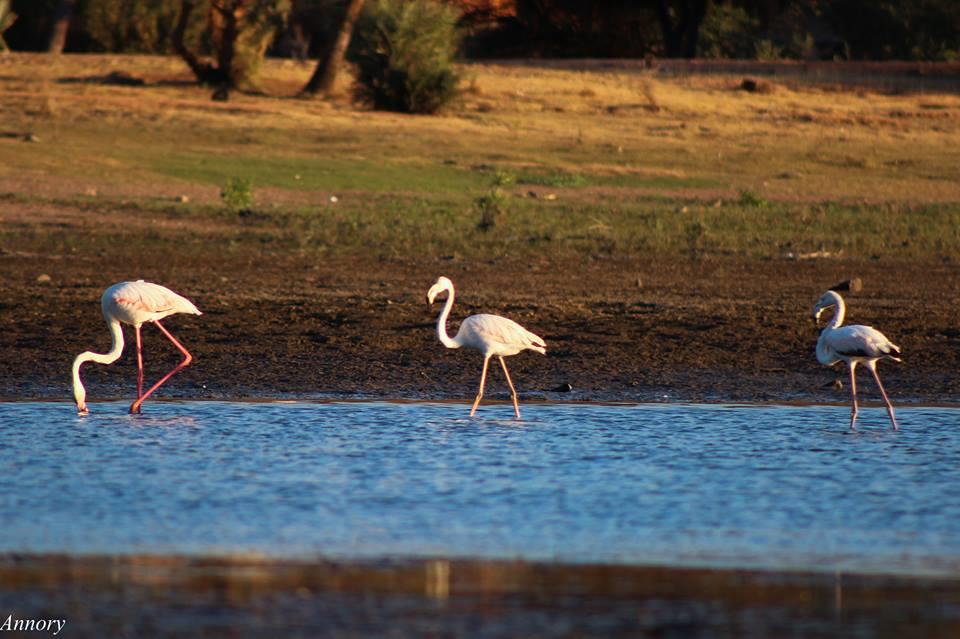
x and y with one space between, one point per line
706 485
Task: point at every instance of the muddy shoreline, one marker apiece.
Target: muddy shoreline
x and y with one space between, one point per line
250 597
632 329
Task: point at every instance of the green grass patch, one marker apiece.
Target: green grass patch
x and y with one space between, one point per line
319 173
564 179
440 224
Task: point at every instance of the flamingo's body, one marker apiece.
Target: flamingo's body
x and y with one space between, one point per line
133 303
492 335
855 344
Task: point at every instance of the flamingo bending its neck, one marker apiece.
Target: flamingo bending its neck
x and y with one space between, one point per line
854 344
133 303
489 334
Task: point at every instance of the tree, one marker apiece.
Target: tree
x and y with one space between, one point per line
7 18
325 75
61 24
240 31
680 22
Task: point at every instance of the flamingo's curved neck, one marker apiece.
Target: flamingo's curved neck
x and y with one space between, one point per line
839 311
442 322
116 348
825 353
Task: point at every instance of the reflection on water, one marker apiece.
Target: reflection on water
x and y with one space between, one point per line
748 486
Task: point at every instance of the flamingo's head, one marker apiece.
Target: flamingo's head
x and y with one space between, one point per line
830 299
80 398
443 284
79 392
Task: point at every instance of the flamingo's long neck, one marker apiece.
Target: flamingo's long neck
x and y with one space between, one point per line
839 311
116 348
825 354
442 322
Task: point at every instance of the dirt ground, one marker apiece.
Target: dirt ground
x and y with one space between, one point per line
281 324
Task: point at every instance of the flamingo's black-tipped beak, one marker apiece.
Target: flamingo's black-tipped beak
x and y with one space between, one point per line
817 312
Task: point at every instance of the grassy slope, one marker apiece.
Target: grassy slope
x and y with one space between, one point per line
637 163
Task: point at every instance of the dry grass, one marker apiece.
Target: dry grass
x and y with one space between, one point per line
808 144
613 143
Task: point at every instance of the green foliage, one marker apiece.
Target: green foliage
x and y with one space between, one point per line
909 29
145 26
238 195
133 26
553 178
728 31
504 178
260 23
493 205
767 50
404 52
749 199
694 234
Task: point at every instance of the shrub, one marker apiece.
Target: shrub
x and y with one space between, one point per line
238 195
493 205
749 199
404 52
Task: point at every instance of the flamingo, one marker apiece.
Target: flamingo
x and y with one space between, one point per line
854 344
133 303
489 334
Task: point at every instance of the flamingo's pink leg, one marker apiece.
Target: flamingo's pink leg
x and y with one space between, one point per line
136 329
853 394
483 379
187 358
513 391
893 420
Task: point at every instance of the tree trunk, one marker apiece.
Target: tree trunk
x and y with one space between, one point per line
325 75
205 72
7 18
61 24
229 32
692 21
681 32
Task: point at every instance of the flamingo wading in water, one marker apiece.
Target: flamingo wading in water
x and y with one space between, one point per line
489 334
854 344
133 303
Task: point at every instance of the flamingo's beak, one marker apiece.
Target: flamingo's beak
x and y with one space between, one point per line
817 312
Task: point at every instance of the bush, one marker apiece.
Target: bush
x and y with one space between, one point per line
493 205
404 52
238 195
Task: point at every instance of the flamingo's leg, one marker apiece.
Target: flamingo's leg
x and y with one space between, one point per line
483 379
187 358
513 391
853 394
873 369
136 329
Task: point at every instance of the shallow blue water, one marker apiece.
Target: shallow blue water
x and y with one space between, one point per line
707 485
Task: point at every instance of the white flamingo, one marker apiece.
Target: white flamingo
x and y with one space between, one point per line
489 334
854 345
133 303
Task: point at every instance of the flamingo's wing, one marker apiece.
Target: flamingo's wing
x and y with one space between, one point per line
862 341
494 328
146 297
